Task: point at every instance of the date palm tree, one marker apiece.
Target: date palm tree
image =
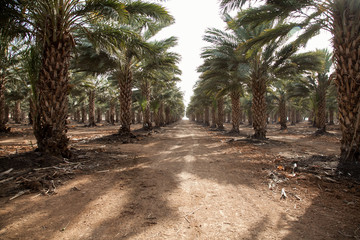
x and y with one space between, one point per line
9 54
160 66
342 19
225 68
56 26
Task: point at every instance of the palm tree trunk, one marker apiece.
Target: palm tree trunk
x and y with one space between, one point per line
259 108
138 117
250 118
213 116
112 112
331 116
207 116
3 121
99 115
293 116
107 116
321 113
146 93
52 92
347 67
161 114
117 115
298 116
17 111
167 115
83 114
220 108
92 108
235 108
77 115
125 84
157 118
282 113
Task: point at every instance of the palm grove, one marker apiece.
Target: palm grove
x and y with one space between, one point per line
255 68
84 57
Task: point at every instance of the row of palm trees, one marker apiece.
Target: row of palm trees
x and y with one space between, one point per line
58 47
257 58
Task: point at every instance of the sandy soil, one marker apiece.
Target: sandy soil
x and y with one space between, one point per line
183 182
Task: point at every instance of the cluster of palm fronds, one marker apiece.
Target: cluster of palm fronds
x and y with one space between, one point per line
256 65
61 57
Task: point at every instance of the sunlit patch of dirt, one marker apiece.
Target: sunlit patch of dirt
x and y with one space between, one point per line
181 182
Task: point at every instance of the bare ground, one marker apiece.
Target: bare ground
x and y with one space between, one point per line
181 182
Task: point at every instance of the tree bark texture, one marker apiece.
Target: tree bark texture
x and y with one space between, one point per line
112 112
235 108
125 85
259 108
92 108
145 88
52 90
282 112
220 109
207 116
321 113
99 115
83 114
213 116
3 117
161 114
346 43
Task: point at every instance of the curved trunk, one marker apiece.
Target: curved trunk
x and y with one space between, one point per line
125 84
220 118
259 108
235 108
282 113
92 108
52 90
346 44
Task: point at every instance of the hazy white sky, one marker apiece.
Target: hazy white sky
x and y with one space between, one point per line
192 18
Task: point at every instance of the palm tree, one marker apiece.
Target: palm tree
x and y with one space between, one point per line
57 25
8 58
225 68
160 66
341 19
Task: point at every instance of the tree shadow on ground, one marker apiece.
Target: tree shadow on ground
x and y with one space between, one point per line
129 198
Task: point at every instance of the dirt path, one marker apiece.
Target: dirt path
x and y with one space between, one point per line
184 183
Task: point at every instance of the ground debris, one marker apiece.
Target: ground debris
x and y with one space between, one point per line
19 194
283 194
